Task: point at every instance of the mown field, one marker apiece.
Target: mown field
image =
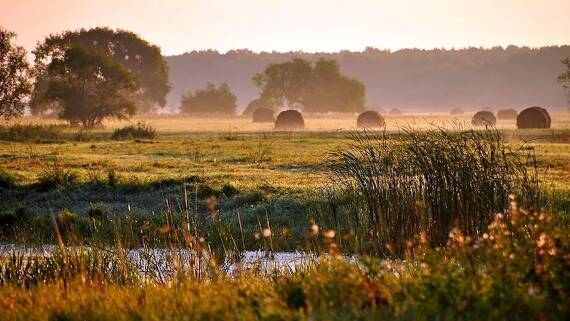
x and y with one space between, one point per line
226 185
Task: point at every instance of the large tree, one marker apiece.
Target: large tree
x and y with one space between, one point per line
318 87
564 78
14 81
141 58
211 100
90 86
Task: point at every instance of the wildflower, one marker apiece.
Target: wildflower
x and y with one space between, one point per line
531 291
256 235
423 238
314 229
266 232
329 234
552 252
541 242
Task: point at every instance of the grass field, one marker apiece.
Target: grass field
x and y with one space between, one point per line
66 186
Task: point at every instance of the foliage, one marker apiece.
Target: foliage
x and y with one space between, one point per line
564 78
413 79
143 60
140 130
14 82
516 270
211 100
316 88
90 87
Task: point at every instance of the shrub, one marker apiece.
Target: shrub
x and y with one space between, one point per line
370 119
533 117
290 120
140 130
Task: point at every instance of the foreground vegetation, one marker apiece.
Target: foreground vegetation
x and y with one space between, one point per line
517 270
413 224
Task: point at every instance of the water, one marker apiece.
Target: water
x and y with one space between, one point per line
161 263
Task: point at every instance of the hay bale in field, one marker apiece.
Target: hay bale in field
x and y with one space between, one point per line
289 120
534 117
456 111
370 119
263 115
507 114
395 111
484 118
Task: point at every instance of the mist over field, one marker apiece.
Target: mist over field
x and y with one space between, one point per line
411 79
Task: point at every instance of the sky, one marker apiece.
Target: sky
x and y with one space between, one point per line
310 25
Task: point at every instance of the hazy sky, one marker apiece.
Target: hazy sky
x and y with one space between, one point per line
311 25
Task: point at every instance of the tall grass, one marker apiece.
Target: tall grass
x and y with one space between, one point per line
140 130
429 182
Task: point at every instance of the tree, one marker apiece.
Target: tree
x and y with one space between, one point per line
90 86
210 100
564 78
285 83
318 87
15 85
332 91
141 58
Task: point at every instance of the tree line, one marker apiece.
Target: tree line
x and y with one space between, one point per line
89 75
407 79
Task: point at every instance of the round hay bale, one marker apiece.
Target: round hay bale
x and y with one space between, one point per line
290 120
484 118
263 115
370 119
456 111
507 114
534 117
395 111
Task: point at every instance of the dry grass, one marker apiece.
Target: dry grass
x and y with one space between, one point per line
325 122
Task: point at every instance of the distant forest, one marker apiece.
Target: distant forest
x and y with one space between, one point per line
409 79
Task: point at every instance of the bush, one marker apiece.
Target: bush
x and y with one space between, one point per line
140 130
